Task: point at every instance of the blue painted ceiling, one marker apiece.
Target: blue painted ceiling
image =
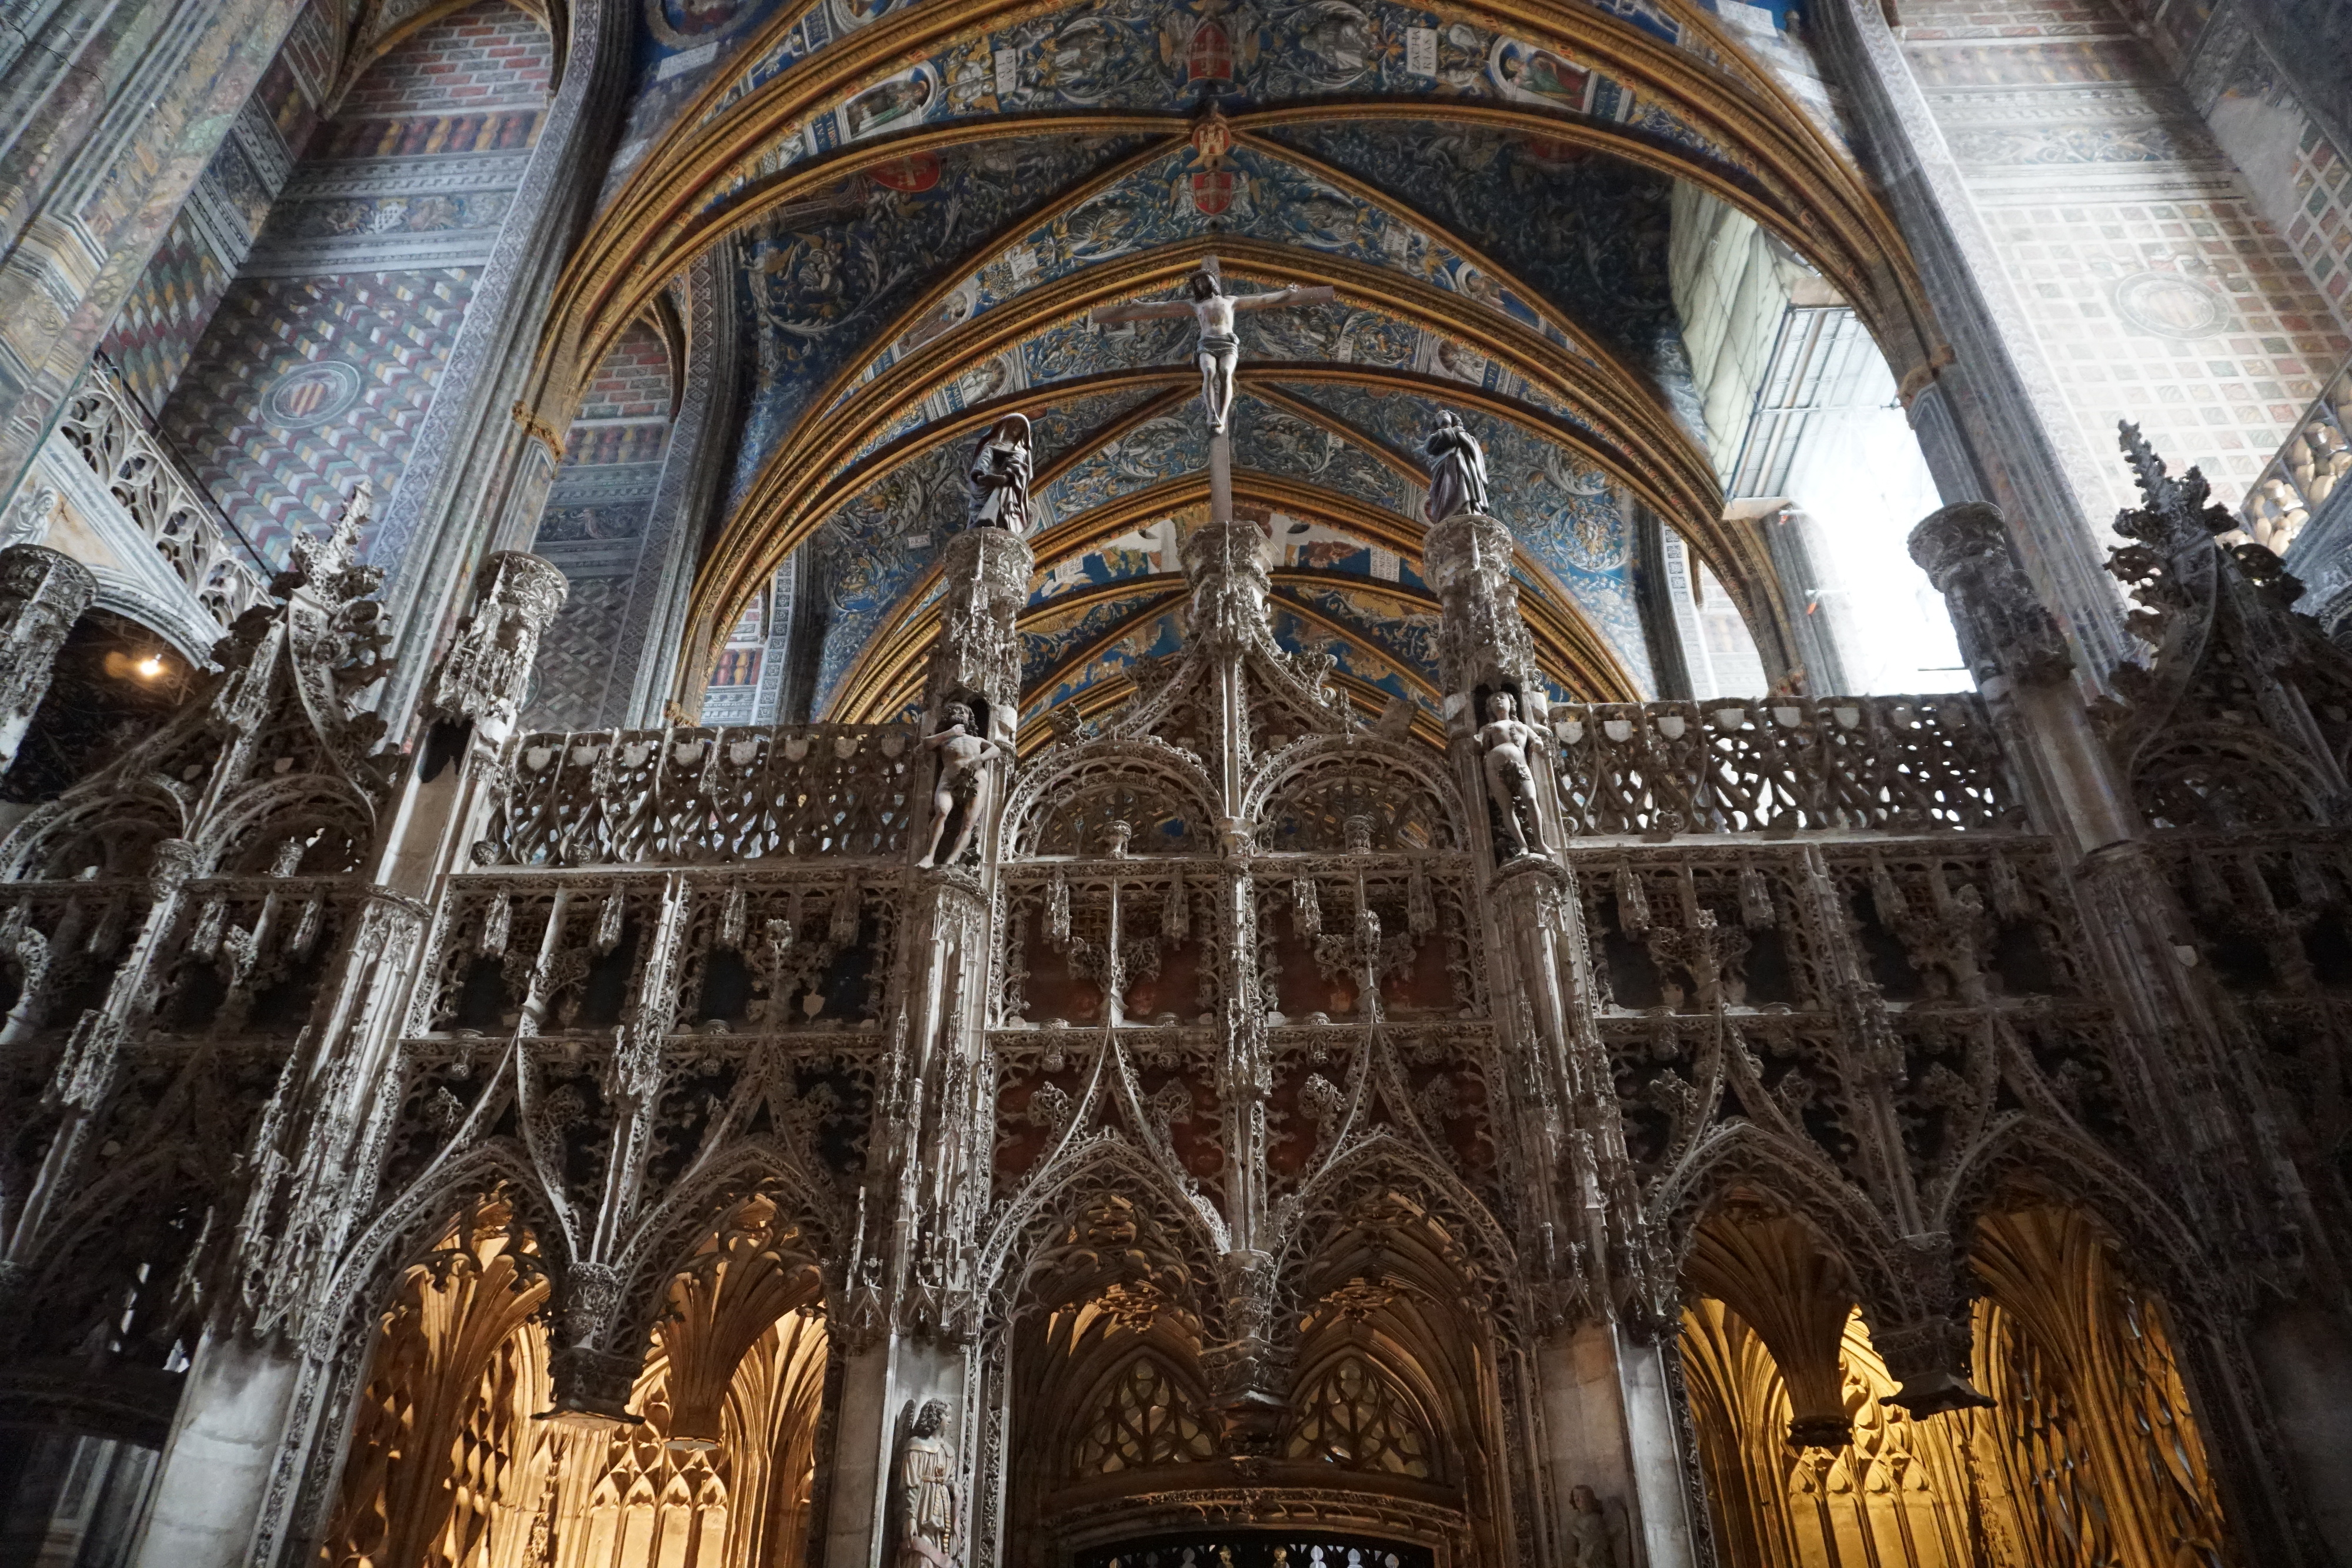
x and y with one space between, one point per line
888 281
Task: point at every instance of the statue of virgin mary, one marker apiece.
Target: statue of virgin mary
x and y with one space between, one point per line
1457 470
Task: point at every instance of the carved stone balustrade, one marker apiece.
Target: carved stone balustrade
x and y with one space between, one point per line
102 426
2296 486
704 796
1781 765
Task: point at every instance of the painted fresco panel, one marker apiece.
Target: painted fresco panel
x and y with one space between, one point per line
1138 55
819 283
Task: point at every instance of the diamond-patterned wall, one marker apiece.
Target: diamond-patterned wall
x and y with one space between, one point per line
160 323
321 363
275 466
594 528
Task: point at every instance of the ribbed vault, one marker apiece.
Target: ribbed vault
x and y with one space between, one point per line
920 211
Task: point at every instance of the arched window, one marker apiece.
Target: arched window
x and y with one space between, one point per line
1144 1417
1354 1416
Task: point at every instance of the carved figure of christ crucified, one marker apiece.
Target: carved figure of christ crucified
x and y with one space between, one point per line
1213 311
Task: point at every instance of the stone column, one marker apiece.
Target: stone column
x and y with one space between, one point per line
42 594
1608 1418
906 1324
476 697
2179 1054
2022 668
250 1422
481 464
1990 417
693 483
1608 1423
1228 563
218 1460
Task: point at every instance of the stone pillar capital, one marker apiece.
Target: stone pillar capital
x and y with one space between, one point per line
483 677
2004 628
37 574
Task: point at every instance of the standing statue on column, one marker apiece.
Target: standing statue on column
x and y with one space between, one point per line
923 1489
1214 309
28 519
1594 1539
1457 470
1504 742
1000 472
963 755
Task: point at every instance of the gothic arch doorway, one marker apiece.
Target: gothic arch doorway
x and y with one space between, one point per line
457 1460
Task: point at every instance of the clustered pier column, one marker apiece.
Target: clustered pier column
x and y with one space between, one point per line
1606 1398
909 1390
42 594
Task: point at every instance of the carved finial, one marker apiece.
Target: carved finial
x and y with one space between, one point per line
2175 513
327 562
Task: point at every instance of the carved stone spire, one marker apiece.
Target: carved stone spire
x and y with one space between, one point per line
987 574
2004 628
516 596
42 594
1483 638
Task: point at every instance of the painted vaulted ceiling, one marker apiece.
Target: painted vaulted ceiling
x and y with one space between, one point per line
917 204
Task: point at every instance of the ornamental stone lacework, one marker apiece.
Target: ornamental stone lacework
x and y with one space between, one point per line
1631 1134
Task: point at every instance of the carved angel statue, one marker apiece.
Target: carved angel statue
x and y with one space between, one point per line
963 755
1000 472
923 1488
28 519
1504 742
1457 470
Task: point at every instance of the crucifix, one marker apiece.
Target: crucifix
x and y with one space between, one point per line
1214 309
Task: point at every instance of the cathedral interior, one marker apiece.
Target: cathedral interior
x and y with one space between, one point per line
1175 784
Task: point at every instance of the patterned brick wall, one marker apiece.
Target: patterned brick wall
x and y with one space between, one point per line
2298 175
156 333
323 357
492 56
2152 280
594 528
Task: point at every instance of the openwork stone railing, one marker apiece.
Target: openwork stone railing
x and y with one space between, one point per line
102 426
638 796
1781 765
2315 455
